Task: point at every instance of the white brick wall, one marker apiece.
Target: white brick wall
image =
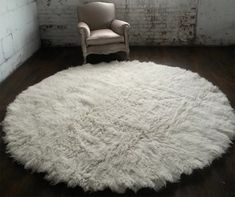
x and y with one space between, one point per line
19 33
154 22
216 22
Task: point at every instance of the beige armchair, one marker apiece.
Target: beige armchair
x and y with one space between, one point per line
100 32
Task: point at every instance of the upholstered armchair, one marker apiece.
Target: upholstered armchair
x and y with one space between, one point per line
100 32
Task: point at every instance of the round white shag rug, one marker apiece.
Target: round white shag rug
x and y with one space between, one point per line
119 125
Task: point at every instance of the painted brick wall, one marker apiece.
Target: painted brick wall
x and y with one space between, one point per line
154 22
216 22
19 33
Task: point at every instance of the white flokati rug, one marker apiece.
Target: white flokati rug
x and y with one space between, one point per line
119 125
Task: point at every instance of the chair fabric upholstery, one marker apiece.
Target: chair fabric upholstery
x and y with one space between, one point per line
100 32
84 28
97 15
104 36
119 26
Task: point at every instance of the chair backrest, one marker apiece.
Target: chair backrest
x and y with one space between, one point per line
97 15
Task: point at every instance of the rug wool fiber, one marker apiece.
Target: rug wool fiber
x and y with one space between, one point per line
119 125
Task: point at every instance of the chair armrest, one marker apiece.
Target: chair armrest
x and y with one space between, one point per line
119 26
84 29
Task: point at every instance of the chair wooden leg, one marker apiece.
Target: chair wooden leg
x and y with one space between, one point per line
84 59
128 55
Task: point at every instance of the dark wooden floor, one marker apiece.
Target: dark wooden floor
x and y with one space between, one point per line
215 64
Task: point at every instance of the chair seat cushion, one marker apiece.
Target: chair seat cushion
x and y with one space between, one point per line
104 36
